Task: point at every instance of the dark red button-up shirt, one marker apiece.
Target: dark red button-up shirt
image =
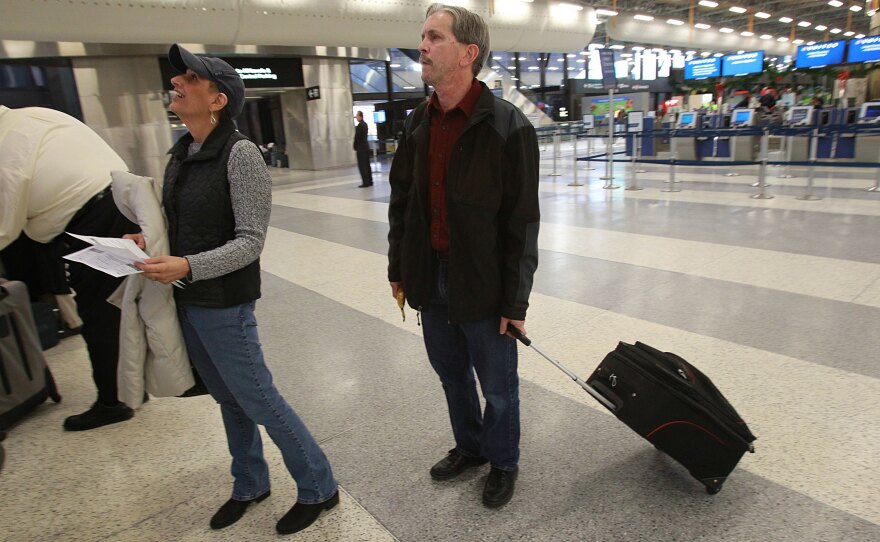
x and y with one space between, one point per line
445 129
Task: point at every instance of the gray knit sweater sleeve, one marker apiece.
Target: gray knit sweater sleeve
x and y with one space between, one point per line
250 189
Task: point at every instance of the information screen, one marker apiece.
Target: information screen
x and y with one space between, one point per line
743 63
864 50
800 115
819 54
702 68
686 119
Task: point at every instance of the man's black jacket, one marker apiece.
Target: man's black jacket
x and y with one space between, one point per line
493 215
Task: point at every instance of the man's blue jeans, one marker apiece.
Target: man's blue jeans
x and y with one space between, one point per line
224 348
456 351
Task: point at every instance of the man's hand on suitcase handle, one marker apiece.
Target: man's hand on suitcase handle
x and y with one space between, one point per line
515 329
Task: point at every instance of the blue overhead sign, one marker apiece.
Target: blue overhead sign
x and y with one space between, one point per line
743 63
702 68
864 49
819 54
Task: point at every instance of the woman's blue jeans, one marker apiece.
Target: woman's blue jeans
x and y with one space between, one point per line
224 348
456 351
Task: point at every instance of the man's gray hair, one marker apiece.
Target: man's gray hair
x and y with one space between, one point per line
468 28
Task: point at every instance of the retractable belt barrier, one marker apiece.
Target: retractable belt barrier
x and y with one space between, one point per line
812 132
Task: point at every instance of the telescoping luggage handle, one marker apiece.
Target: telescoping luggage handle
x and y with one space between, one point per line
587 388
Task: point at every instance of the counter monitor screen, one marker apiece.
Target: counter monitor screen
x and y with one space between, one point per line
742 117
801 115
687 120
870 112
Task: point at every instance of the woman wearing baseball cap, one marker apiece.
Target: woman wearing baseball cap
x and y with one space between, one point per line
217 197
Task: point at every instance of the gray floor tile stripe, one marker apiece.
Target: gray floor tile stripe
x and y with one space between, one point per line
827 332
584 475
799 232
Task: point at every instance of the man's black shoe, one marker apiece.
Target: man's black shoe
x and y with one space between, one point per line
454 464
499 487
365 185
98 416
232 510
302 515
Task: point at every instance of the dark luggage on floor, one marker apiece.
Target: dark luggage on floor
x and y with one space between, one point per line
673 406
25 380
48 322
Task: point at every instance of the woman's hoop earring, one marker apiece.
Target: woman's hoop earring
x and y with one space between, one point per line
213 120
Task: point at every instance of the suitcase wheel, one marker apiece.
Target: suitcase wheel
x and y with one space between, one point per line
713 485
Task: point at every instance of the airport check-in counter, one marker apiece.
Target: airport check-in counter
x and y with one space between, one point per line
743 147
802 115
685 148
637 124
714 148
836 146
868 146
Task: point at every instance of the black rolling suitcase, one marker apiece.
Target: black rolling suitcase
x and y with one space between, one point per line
25 380
672 405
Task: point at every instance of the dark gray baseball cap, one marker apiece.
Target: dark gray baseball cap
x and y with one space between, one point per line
215 69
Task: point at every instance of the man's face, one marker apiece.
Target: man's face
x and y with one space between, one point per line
359 117
440 54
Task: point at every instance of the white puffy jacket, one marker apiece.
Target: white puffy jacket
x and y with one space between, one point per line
152 354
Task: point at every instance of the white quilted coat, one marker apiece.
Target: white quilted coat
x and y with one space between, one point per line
152 354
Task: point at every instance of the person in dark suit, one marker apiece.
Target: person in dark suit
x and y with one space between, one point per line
363 151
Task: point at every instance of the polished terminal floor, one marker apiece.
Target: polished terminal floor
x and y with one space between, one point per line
777 300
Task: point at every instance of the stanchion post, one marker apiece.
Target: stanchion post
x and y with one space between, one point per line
762 169
814 144
786 173
555 152
574 162
672 180
876 187
589 151
634 169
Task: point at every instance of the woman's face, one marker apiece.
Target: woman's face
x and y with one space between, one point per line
194 96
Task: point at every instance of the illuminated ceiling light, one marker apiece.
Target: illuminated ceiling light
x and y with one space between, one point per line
811 43
835 31
737 9
641 17
533 67
705 54
511 68
762 15
553 68
785 20
521 58
766 37
718 55
691 53
821 27
782 39
703 26
708 3
571 55
835 3
568 7
493 58
618 46
398 65
798 41
740 52
855 8
560 60
805 24
849 33
626 55
606 12
725 30
581 61
860 36
746 33
637 48
674 22
571 68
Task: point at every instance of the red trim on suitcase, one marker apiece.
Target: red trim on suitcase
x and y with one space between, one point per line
700 427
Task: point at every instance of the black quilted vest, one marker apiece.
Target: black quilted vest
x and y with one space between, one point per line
199 211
